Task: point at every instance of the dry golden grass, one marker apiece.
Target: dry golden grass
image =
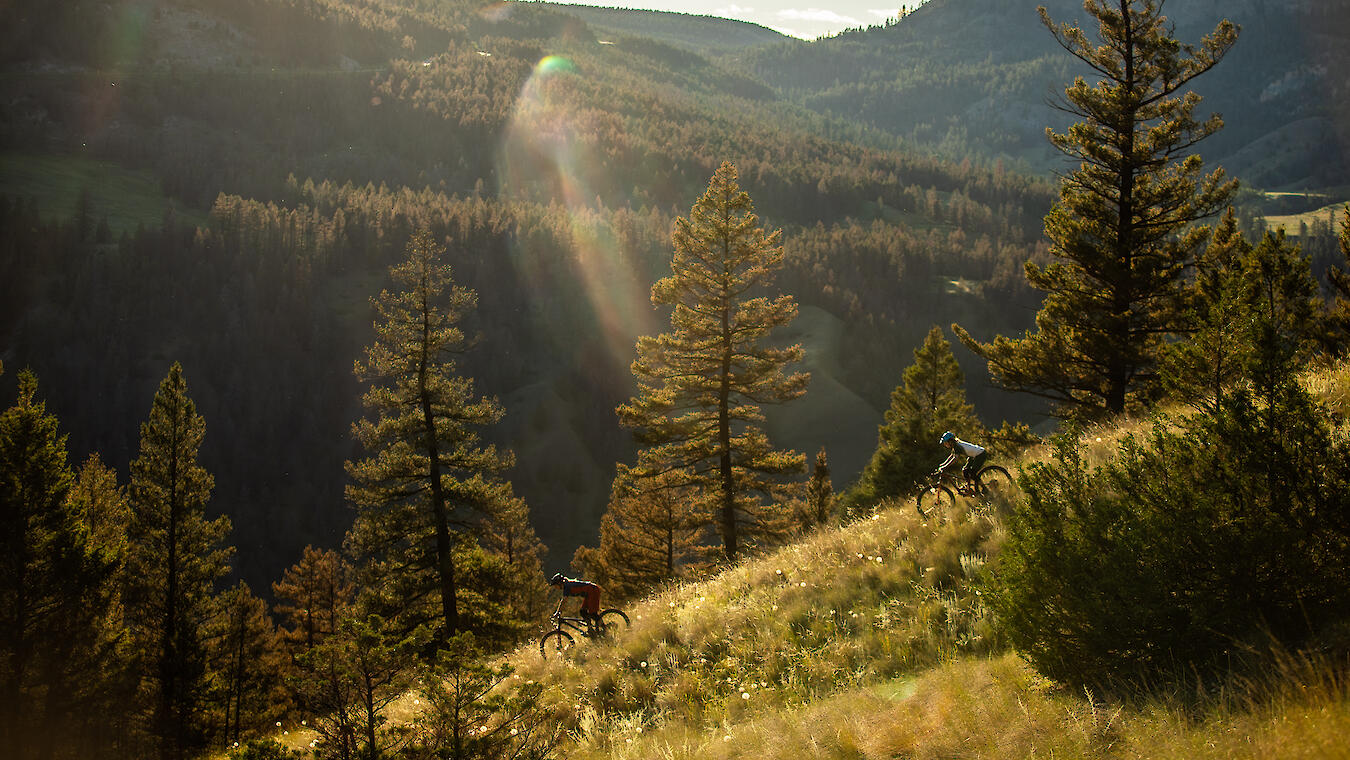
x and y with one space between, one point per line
747 664
871 641
1000 709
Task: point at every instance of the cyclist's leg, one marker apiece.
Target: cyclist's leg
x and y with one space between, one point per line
590 608
972 468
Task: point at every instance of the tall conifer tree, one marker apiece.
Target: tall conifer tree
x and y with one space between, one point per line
55 589
312 597
429 484
1123 230
930 399
245 665
176 555
651 532
701 385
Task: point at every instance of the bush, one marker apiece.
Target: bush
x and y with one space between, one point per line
1188 552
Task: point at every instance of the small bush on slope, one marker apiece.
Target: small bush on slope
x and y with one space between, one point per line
1192 549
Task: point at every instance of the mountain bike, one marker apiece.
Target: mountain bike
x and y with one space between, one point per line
559 640
936 498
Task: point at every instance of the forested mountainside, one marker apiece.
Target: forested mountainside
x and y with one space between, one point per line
297 146
705 35
980 77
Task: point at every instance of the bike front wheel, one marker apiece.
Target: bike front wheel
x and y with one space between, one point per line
935 500
612 621
555 642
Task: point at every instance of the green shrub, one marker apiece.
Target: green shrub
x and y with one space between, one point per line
1188 552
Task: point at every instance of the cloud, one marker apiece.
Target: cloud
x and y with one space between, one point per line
732 10
820 15
884 13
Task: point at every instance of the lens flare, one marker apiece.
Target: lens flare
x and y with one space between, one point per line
552 158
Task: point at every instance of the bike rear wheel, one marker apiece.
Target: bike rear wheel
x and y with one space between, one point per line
935 500
555 642
996 484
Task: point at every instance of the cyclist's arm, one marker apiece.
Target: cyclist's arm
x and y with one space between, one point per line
949 462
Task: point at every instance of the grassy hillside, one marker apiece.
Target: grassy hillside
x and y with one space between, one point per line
873 641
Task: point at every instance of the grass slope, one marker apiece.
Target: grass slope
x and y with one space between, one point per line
872 640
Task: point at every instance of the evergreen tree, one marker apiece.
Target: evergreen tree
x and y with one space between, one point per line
175 557
510 537
1284 307
473 711
314 597
56 653
1123 231
311 598
701 385
930 400
819 491
652 532
1217 353
351 679
1173 557
245 665
104 504
429 485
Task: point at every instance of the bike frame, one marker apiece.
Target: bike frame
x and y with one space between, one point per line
962 486
562 622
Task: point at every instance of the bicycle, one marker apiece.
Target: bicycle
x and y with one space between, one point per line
992 482
559 640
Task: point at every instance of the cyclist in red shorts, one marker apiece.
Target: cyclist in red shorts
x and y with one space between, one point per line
590 604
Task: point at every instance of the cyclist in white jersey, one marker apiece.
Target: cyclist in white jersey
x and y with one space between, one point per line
975 456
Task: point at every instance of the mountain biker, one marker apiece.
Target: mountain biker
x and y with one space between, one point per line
975 456
590 604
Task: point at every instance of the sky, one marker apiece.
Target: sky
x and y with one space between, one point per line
807 19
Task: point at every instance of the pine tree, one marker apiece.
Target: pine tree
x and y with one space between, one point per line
701 385
1283 302
55 588
373 666
104 504
510 537
473 710
1123 231
429 485
1218 351
931 399
311 598
819 491
175 557
653 531
245 656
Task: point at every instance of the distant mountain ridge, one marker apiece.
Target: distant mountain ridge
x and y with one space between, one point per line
978 75
706 35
